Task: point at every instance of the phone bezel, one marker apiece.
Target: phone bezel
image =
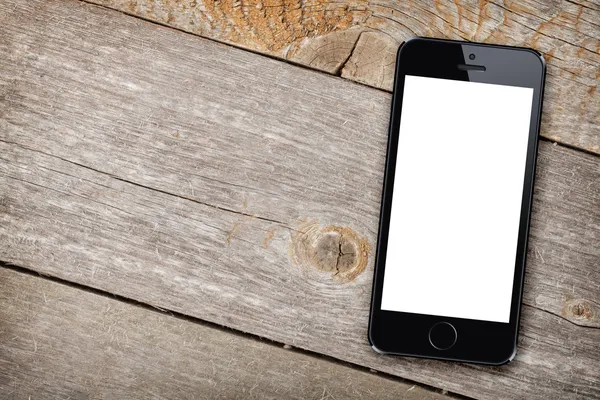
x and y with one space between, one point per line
407 334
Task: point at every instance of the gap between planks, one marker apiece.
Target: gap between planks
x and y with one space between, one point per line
337 72
232 45
188 318
520 30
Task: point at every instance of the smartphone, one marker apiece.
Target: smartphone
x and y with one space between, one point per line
456 201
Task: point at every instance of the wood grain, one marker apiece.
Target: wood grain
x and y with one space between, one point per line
358 39
221 184
117 350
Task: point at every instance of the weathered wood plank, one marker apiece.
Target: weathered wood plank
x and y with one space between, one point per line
60 342
177 254
220 184
358 39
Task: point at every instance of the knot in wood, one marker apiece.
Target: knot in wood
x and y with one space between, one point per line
334 249
580 311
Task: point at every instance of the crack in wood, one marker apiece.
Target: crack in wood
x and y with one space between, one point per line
148 187
338 70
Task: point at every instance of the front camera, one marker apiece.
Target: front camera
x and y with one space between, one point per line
471 56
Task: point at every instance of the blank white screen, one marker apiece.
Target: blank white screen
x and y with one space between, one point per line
457 199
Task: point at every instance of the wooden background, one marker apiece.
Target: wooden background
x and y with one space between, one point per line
203 217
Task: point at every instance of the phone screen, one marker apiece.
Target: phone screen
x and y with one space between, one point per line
457 196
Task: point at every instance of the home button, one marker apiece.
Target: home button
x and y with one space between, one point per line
442 336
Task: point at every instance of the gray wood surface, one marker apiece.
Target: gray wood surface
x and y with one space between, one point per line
97 347
221 184
358 40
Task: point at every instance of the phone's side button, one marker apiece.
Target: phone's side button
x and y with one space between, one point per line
442 335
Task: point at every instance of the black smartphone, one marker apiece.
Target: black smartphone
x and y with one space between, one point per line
456 201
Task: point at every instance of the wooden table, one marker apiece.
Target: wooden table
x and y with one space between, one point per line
189 197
